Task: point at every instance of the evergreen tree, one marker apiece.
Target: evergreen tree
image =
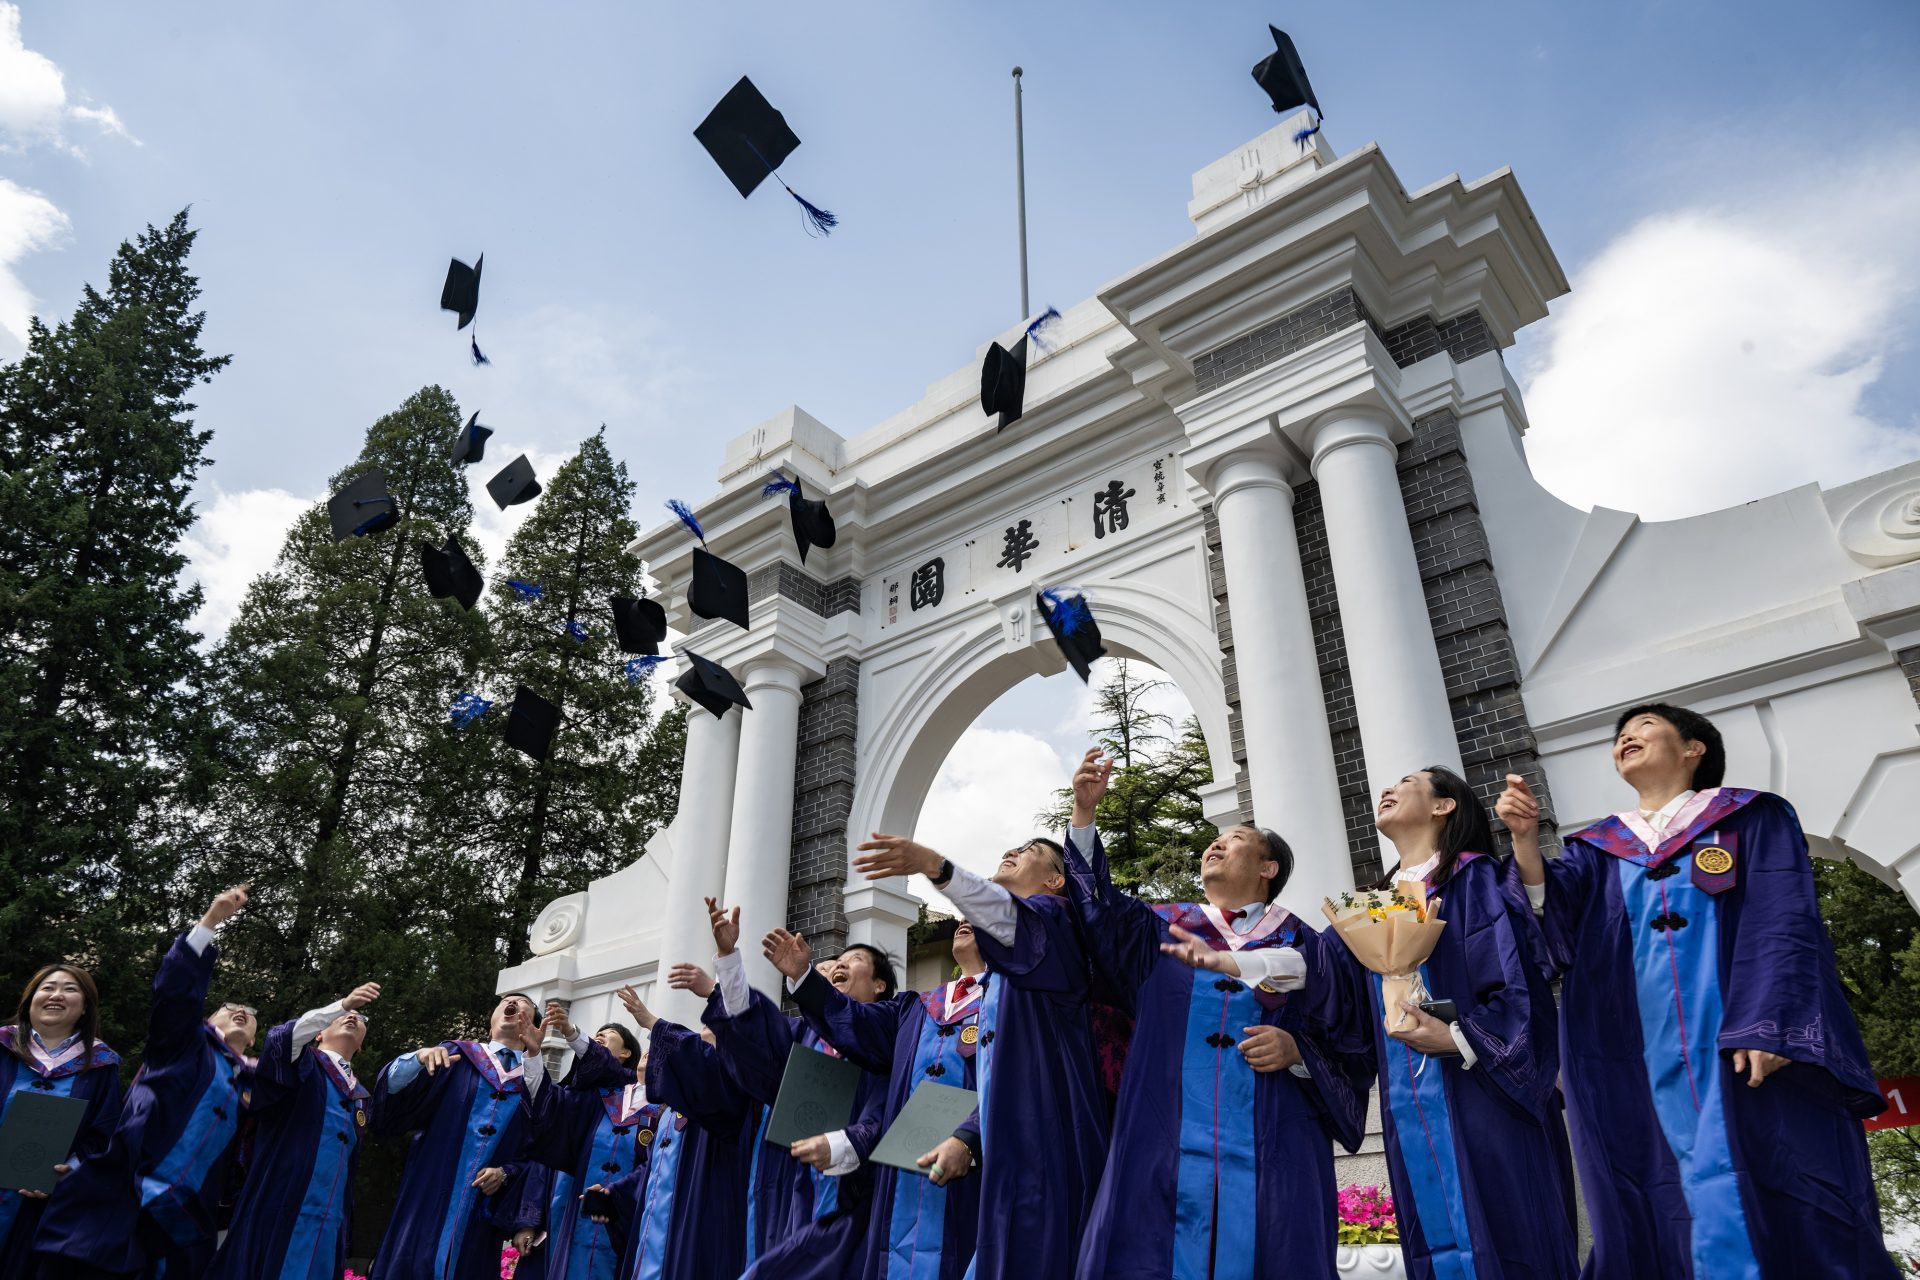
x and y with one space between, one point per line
611 778
100 720
1152 819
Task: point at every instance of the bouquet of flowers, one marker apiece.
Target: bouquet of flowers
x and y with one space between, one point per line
1366 1217
1390 932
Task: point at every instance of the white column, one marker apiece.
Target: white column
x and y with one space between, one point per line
760 851
1399 695
699 855
1282 708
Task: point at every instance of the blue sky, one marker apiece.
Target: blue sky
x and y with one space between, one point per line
1731 187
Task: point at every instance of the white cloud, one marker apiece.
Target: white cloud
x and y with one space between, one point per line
237 538
28 222
984 798
1719 353
33 96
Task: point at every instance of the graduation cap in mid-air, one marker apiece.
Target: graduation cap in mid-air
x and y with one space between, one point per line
1285 81
1074 630
362 507
711 685
514 484
812 522
719 587
461 295
638 625
471 444
531 721
450 573
1003 375
749 140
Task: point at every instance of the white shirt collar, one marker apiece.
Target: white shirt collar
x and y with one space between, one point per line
1420 872
1663 817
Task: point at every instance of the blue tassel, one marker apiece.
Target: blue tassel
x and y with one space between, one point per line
778 484
1069 606
467 708
527 590
687 518
1301 136
577 630
819 221
479 357
637 668
1040 322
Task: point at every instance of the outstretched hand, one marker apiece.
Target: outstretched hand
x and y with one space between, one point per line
643 1017
886 855
223 907
1518 808
690 977
787 952
1190 950
1090 783
361 996
726 928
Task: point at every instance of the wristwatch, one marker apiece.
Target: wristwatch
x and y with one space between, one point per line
945 874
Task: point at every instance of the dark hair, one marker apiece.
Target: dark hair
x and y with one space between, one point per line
505 996
1052 847
1279 851
882 966
627 1038
1692 727
88 1026
1467 829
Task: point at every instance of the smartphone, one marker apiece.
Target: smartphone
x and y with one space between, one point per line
1441 1009
597 1204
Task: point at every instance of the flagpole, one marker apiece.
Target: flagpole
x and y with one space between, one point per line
1020 191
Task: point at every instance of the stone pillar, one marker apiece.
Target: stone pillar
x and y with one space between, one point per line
699 855
1289 750
1399 694
760 848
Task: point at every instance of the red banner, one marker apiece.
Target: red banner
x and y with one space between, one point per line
1903 1104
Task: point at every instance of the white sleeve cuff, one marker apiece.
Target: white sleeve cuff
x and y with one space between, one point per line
793 984
843 1159
577 1043
199 938
1300 1069
311 1023
1467 1056
1083 839
1537 896
1278 968
731 973
533 1072
984 904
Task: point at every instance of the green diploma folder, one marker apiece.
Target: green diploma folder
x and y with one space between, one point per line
816 1096
36 1135
929 1119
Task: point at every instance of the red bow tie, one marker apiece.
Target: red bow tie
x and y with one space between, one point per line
1231 916
961 987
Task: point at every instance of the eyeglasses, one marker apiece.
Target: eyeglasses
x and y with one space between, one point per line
247 1009
353 1015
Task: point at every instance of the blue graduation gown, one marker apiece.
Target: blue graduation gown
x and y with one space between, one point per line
1466 1146
292 1218
918 1231
685 1216
96 1078
824 1219
1688 1171
584 1133
1193 1190
464 1118
154 1195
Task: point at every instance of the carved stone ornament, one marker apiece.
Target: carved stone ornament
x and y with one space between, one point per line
559 925
1883 528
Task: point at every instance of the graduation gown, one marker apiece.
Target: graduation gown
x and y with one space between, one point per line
1466 1146
590 1128
1673 957
295 1209
824 1219
918 1231
684 1216
154 1196
95 1077
464 1118
1219 1172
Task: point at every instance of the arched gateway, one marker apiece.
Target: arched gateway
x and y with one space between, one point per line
1285 462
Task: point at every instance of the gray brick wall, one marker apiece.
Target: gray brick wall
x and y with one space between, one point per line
824 598
823 775
1463 336
1909 660
1229 669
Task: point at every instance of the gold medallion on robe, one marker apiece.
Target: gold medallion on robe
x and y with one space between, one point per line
1713 860
969 1035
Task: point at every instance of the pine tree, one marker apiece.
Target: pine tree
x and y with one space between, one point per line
611 778
100 722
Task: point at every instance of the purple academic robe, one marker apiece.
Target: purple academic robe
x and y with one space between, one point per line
918 1231
292 1219
585 1133
1673 958
824 1232
95 1077
1465 1146
1193 1191
154 1195
464 1118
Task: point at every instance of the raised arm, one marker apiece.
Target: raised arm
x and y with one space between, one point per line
685 1073
180 985
1554 891
864 1034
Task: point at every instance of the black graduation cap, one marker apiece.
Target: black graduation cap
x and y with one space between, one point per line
450 573
531 722
1078 635
812 522
711 685
639 625
1284 79
514 485
749 140
364 506
719 588
471 444
461 292
1003 382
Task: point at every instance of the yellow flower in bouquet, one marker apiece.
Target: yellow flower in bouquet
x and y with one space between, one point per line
1391 933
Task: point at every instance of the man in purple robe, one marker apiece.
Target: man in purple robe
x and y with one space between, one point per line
1715 1076
1236 1083
310 1114
467 1104
1042 1114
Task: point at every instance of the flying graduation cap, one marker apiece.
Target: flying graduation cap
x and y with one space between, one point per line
711 685
471 444
638 625
1003 375
1285 81
1074 630
719 588
362 507
812 522
750 140
450 573
531 722
514 484
461 294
